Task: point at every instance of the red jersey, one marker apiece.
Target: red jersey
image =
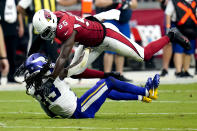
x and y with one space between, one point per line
89 33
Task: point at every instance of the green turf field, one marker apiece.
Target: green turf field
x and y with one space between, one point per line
176 109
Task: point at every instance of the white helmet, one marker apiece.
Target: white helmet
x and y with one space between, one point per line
45 23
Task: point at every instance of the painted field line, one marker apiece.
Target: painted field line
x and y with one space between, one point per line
20 112
99 128
16 101
2 124
186 113
108 101
123 101
160 91
110 113
176 91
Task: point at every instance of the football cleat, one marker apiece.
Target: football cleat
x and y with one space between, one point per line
149 84
176 37
146 99
154 90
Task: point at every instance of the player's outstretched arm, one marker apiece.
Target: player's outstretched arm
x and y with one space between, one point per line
64 54
59 65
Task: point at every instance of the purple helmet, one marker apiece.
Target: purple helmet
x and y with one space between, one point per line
35 62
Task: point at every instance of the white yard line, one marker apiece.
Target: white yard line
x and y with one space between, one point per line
110 113
2 124
123 101
186 113
16 101
108 101
100 128
32 113
160 91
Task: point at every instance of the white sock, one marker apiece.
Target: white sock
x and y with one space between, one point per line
140 98
147 93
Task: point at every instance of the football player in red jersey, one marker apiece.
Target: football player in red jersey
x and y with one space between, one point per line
91 32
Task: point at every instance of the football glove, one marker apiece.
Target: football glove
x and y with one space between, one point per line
125 4
122 4
45 87
20 71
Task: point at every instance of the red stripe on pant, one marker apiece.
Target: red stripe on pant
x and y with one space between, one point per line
149 50
155 46
115 35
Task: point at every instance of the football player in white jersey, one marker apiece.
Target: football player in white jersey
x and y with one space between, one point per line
59 100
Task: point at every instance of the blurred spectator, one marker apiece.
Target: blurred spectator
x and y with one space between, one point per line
4 65
182 14
149 0
167 50
29 7
125 7
163 4
11 32
196 64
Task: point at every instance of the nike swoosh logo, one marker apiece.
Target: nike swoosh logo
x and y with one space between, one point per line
66 33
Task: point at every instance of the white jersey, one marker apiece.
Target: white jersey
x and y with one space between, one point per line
62 101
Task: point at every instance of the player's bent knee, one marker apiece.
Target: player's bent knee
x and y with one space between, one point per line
110 81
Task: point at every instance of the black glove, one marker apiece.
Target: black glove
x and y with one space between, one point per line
20 71
113 74
45 87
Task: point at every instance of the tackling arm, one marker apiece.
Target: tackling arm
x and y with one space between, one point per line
65 51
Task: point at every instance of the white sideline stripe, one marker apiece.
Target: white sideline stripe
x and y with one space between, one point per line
101 128
15 101
160 91
2 124
124 101
176 91
33 113
109 101
110 113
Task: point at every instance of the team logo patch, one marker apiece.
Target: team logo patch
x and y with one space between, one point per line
47 15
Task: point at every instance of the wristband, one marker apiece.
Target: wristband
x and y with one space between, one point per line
1 58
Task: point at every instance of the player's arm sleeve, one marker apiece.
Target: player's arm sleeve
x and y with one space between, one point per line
36 45
47 111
